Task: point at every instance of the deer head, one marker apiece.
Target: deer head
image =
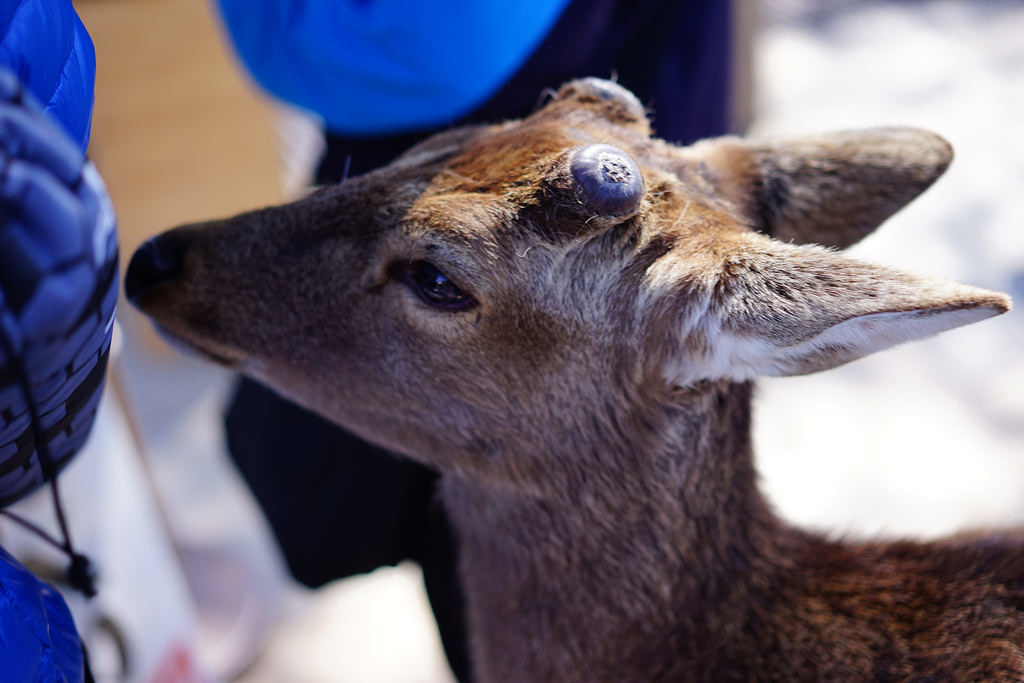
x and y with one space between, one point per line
499 289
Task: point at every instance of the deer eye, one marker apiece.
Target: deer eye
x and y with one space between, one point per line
432 286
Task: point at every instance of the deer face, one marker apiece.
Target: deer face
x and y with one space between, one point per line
509 287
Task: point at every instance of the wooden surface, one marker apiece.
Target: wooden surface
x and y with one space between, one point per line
179 134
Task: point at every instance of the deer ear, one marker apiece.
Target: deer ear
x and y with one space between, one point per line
830 189
605 98
783 309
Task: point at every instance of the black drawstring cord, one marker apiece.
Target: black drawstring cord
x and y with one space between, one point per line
80 573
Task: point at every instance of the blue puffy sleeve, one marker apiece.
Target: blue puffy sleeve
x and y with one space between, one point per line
38 641
44 43
58 283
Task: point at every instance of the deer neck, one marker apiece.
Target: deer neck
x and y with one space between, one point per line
591 582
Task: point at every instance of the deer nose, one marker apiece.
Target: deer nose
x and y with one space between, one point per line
156 262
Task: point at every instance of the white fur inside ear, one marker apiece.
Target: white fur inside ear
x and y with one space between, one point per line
741 357
780 309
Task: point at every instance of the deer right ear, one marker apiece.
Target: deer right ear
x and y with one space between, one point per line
767 308
830 189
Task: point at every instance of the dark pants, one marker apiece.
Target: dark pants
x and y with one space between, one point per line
340 506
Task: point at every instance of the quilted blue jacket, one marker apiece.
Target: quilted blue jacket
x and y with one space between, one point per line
45 45
38 640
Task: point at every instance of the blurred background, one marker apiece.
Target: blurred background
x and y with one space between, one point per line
917 441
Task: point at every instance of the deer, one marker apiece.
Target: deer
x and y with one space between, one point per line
565 316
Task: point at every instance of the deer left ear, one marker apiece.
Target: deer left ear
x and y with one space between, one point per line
830 189
783 309
606 98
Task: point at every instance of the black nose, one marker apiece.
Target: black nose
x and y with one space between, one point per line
157 261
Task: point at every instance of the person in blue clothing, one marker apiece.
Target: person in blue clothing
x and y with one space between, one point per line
58 287
383 75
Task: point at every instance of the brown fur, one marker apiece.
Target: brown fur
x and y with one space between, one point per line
591 411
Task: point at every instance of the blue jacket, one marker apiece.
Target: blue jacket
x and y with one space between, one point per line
44 43
38 640
384 66
374 69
